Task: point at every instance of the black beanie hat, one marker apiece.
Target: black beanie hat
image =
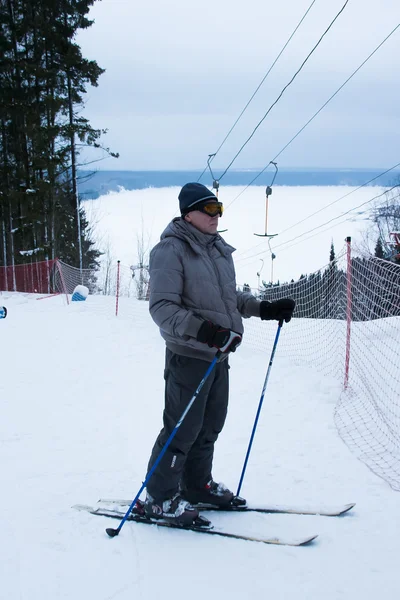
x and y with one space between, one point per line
191 194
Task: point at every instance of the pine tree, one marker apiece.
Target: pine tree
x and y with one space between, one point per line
330 289
379 249
43 77
332 255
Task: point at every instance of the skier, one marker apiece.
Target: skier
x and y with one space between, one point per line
195 303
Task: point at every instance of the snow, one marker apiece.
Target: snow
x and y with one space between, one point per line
81 403
30 252
124 218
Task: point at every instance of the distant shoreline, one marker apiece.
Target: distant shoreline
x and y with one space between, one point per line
94 184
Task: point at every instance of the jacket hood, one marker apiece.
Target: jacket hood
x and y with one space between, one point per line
181 229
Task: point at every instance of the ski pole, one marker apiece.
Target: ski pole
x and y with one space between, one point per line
259 406
113 532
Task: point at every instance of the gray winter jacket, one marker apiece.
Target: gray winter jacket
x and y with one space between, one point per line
192 279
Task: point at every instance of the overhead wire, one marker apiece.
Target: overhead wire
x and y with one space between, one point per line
341 198
327 206
329 228
341 215
324 224
259 86
284 89
315 115
253 258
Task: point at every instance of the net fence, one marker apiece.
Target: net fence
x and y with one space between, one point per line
57 277
347 325
32 277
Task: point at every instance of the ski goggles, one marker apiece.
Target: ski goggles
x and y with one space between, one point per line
212 209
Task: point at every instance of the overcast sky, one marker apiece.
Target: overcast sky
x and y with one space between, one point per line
179 73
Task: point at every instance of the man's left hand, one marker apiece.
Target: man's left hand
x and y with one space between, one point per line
280 310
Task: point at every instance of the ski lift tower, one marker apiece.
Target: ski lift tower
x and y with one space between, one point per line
394 245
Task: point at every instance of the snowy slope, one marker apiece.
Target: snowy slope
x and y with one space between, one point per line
81 398
121 218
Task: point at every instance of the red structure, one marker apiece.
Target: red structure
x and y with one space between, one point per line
35 277
394 244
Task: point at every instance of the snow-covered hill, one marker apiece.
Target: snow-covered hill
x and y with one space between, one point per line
81 396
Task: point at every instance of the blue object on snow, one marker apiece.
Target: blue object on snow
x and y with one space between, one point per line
3 312
77 297
80 293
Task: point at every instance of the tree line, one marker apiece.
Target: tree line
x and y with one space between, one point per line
43 79
374 288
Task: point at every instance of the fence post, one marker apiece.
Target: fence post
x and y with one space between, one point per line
62 279
348 314
117 292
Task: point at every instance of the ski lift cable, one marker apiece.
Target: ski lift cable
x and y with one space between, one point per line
316 114
328 228
341 215
282 244
284 89
328 205
259 85
341 198
319 232
296 243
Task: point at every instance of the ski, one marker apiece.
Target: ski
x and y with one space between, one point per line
323 511
281 509
204 526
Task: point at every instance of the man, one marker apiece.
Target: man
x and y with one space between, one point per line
194 301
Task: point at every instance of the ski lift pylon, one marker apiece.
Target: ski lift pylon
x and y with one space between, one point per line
394 245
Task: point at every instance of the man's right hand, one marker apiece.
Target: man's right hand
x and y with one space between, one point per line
219 337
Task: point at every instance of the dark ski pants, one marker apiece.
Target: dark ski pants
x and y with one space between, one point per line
188 459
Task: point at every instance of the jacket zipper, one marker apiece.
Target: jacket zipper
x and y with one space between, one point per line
221 289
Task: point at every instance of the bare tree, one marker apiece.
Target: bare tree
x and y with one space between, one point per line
107 270
140 270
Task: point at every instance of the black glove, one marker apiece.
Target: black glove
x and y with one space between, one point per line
280 310
219 337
